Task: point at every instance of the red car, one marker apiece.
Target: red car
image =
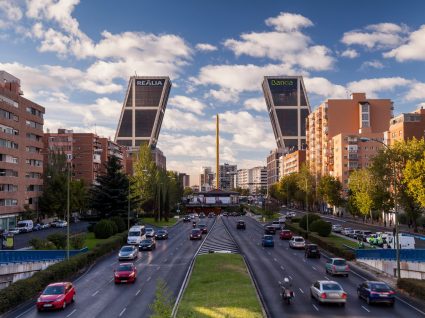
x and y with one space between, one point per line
56 296
196 234
125 273
285 235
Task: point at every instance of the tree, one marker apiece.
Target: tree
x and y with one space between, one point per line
187 191
415 179
288 187
361 185
109 195
329 189
79 195
306 184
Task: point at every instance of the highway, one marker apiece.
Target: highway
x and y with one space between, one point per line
98 296
271 265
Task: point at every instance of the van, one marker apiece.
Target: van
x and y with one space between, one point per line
277 225
136 234
406 242
25 226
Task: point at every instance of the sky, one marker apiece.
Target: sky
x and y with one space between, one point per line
74 57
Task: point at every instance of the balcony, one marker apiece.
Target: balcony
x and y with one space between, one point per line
353 165
353 156
96 158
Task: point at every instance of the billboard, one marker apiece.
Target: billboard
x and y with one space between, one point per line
284 91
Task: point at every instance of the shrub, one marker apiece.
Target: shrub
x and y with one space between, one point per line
295 220
415 287
121 225
90 227
321 227
59 239
311 218
40 244
77 241
104 229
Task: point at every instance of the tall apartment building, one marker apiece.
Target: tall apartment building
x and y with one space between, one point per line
21 144
184 179
406 126
273 160
254 179
334 129
86 152
227 175
206 176
292 162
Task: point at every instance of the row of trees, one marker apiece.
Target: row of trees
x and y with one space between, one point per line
150 190
396 175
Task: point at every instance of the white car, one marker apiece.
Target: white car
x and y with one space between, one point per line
346 230
61 223
14 231
337 228
150 232
297 242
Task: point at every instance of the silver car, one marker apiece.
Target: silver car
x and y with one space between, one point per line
297 242
128 252
150 232
326 291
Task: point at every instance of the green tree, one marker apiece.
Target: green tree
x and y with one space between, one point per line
288 187
306 185
329 189
79 195
187 191
361 185
109 195
415 179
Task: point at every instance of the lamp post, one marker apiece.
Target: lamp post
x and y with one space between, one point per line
306 201
67 211
394 173
128 205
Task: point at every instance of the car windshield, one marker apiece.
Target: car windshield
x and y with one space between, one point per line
331 286
379 288
299 239
268 237
134 233
195 231
127 249
125 268
201 225
54 290
339 262
161 231
149 229
146 241
312 247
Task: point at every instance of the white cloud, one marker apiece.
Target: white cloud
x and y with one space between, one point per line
414 49
257 104
205 47
372 64
176 120
376 36
188 104
287 44
417 91
350 53
323 87
374 85
11 11
224 95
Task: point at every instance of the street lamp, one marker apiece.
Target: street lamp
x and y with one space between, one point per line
128 204
365 139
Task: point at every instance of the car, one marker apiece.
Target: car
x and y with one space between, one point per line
285 235
277 225
363 235
186 219
267 241
161 234
192 216
14 231
327 291
346 230
202 215
150 232
337 228
45 225
376 292
37 227
147 245
269 230
125 273
354 234
312 250
56 296
203 228
297 242
128 252
196 234
337 266
240 225
211 215
291 214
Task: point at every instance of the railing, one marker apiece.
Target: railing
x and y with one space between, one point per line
408 255
36 255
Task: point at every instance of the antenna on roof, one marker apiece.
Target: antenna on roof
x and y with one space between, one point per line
135 73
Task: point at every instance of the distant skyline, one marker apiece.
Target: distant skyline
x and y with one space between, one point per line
75 58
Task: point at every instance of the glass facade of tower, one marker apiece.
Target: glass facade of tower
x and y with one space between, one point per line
288 108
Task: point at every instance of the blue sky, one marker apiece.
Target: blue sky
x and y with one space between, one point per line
74 57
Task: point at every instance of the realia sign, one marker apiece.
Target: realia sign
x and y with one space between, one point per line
148 82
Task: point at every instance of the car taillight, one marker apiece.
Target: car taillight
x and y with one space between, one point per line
374 293
344 296
391 292
333 267
323 295
347 268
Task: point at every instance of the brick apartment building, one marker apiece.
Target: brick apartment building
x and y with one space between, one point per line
21 159
291 162
406 126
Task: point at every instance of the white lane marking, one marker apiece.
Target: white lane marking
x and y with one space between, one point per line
72 312
31 308
314 268
327 278
280 283
138 292
290 277
301 290
158 268
295 254
365 309
316 307
95 293
304 260
149 278
113 263
275 259
269 253
110 281
165 261
282 268
121 313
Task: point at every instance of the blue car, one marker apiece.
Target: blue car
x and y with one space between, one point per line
376 292
267 241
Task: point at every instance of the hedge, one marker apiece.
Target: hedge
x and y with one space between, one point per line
414 287
314 238
104 229
311 218
28 288
321 227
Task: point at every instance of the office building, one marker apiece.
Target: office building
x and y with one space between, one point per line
253 179
206 176
334 130
227 175
406 126
21 158
288 108
273 165
184 179
292 162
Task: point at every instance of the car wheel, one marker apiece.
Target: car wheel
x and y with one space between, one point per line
64 304
342 304
358 294
73 298
368 300
391 304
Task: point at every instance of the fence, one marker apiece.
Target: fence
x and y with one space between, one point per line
36 255
407 255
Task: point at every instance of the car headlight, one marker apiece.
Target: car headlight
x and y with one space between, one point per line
39 300
131 275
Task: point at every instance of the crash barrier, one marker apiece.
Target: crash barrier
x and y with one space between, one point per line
408 255
7 257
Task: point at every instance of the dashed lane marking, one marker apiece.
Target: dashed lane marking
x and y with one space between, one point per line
138 292
149 278
301 290
95 293
316 307
72 312
282 268
365 309
122 312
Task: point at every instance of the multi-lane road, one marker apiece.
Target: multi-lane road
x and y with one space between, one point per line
98 296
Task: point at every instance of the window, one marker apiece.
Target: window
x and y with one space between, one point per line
33 149
8 144
8 202
8 130
34 137
34 162
8 173
33 175
8 115
34 187
34 112
8 101
34 124
8 188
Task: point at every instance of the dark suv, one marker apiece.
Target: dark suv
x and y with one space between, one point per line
269 230
240 225
311 250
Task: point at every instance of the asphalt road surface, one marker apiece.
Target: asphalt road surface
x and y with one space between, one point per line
271 265
98 296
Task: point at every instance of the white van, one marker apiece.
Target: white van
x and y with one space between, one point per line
406 242
25 226
136 234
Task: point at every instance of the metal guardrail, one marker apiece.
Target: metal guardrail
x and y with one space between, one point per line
408 255
7 257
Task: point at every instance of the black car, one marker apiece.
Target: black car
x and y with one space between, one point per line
186 219
312 250
147 245
196 234
211 215
161 234
269 230
203 228
202 215
241 225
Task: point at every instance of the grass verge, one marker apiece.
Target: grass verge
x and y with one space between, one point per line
151 221
219 287
90 241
